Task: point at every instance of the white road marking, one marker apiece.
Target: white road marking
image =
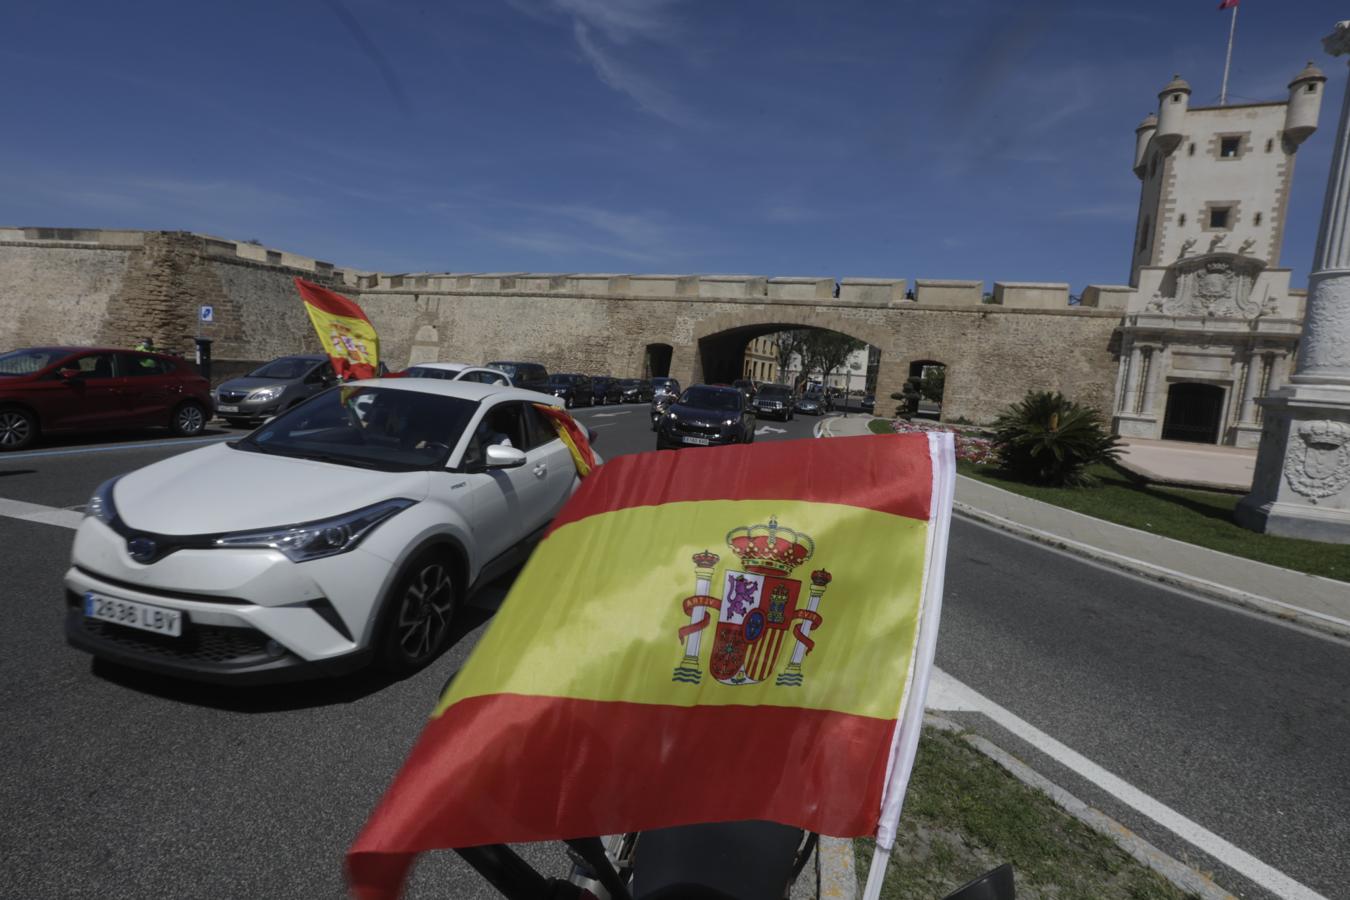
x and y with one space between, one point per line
36 512
610 415
110 448
769 429
946 694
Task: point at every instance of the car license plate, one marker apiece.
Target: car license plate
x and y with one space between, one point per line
133 614
223 408
701 441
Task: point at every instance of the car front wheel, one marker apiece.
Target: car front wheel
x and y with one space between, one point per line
18 429
188 419
422 606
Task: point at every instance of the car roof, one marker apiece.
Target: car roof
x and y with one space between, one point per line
464 390
722 388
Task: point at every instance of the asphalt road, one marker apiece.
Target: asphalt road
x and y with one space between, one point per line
122 785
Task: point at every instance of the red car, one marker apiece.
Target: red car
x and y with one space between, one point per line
56 389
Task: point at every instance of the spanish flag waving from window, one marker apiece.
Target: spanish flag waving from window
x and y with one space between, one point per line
344 331
736 633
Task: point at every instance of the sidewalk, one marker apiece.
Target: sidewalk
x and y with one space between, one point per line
1190 465
1320 603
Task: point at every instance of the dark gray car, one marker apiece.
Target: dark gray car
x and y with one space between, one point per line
269 389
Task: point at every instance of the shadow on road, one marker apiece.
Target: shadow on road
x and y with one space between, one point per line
16 472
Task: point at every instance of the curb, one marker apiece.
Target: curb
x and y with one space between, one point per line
1178 873
1170 577
836 869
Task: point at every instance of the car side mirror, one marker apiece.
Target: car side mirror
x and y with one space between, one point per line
499 457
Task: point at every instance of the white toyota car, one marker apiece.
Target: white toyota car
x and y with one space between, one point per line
344 532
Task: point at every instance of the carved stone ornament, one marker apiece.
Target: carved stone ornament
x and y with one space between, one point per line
1318 462
1216 285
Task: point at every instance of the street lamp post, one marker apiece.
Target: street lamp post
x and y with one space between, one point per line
1302 483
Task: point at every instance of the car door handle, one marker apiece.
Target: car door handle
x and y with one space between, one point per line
541 470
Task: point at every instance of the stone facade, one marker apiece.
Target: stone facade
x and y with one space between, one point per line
152 284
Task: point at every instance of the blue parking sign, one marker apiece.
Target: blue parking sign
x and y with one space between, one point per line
208 314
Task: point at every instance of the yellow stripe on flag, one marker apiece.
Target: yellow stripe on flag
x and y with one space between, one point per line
597 612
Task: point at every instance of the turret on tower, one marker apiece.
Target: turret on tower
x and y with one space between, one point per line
1173 102
1142 135
1305 103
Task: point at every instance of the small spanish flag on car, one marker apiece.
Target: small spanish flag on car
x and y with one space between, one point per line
742 632
573 435
344 330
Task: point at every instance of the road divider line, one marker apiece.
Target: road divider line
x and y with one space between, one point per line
946 694
111 448
36 512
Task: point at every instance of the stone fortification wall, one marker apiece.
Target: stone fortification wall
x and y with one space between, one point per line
72 286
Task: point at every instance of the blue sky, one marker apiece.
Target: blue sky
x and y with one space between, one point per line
946 139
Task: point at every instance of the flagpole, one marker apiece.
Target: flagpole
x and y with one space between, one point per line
1228 59
876 875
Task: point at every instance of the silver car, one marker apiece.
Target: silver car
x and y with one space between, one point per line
272 388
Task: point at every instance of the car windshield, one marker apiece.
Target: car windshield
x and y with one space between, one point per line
509 368
429 372
773 391
561 379
630 382
710 398
286 367
26 362
368 427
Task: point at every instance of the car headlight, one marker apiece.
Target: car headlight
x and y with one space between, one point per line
267 393
315 540
100 506
727 423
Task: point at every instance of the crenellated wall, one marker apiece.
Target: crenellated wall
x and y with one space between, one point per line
113 287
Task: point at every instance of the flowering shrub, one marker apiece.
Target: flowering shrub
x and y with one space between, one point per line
971 444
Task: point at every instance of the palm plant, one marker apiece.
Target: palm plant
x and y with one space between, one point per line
1048 439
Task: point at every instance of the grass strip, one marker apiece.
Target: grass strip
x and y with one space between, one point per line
964 815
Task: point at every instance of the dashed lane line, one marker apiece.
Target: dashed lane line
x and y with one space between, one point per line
36 512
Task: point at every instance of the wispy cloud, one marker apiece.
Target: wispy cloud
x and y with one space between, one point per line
1109 212
604 29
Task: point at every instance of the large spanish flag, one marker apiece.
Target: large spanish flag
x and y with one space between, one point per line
344 331
709 635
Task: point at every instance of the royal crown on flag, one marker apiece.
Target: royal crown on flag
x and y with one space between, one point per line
770 547
706 560
820 578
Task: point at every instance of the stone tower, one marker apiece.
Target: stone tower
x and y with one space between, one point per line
1219 175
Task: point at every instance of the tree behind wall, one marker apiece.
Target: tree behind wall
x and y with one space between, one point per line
827 350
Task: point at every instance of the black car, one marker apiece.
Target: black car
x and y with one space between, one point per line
869 402
706 416
527 375
746 387
634 390
773 400
573 390
601 388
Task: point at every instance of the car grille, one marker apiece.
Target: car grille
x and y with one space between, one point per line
698 428
232 396
200 643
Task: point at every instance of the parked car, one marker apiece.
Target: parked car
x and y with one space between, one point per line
634 390
809 404
601 385
526 375
573 390
869 402
773 400
746 387
457 372
50 390
705 415
344 532
274 387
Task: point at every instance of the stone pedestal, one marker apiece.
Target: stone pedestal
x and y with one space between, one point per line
1302 483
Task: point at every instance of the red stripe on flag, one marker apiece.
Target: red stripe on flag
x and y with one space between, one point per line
328 301
887 473
1228 4
508 768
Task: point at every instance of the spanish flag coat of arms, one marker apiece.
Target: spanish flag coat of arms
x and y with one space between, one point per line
715 635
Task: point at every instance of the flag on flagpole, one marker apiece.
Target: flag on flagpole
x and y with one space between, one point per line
572 435
344 331
1228 4
735 633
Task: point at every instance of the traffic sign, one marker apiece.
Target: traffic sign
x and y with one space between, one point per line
208 314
